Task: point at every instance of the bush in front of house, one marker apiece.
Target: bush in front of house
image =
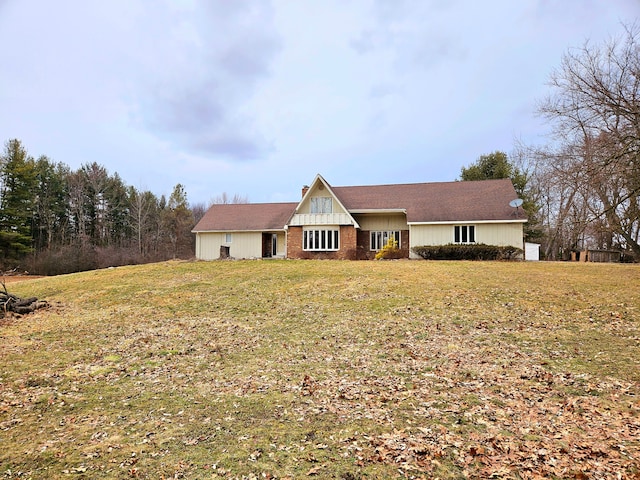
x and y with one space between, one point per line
476 251
389 251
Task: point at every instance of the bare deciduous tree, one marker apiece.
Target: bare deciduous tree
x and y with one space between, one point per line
594 108
224 199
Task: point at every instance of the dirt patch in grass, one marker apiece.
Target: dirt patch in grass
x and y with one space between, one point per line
295 369
19 278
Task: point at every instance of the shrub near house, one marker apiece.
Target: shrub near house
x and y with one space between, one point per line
468 252
389 251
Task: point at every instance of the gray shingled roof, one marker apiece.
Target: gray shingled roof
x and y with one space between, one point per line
486 200
238 217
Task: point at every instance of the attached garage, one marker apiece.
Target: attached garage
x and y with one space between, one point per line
244 230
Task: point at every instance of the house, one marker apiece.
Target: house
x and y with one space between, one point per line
355 222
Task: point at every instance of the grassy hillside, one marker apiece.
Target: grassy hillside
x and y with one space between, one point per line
348 370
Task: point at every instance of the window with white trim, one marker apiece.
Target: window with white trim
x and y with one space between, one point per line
321 240
380 239
321 205
464 234
227 238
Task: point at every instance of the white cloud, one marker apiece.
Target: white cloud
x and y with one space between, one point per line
256 97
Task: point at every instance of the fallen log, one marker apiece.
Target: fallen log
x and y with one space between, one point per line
10 303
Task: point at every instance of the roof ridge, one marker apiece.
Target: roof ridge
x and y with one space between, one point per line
251 203
418 183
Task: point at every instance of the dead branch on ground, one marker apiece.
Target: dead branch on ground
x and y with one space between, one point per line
10 303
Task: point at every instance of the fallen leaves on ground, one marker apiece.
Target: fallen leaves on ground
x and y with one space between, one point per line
326 378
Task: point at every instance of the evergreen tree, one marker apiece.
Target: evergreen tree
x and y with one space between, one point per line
178 222
18 180
117 215
496 165
96 180
63 216
50 224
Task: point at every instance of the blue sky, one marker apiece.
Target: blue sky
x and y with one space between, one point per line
257 97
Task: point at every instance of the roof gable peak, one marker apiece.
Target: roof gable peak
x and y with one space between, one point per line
320 184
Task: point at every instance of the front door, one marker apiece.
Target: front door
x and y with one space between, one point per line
274 245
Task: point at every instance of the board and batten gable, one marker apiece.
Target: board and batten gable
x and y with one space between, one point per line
320 206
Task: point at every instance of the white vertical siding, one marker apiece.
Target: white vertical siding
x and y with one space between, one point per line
282 244
243 245
430 235
502 234
382 222
320 219
208 245
246 245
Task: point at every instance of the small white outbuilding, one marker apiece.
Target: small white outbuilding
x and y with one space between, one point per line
532 252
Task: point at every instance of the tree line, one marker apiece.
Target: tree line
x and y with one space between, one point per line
582 190
587 181
57 220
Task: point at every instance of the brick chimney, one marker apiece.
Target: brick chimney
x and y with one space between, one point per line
305 189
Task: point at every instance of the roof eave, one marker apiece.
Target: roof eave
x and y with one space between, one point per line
236 230
451 222
378 210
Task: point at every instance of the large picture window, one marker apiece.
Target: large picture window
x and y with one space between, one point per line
321 240
464 234
380 239
321 205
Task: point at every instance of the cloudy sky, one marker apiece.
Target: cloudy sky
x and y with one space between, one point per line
255 97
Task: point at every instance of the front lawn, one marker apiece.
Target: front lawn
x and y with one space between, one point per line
326 369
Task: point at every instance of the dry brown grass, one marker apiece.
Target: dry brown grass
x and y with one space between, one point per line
18 278
289 369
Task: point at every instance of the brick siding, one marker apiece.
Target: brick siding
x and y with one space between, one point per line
294 242
354 245
348 245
